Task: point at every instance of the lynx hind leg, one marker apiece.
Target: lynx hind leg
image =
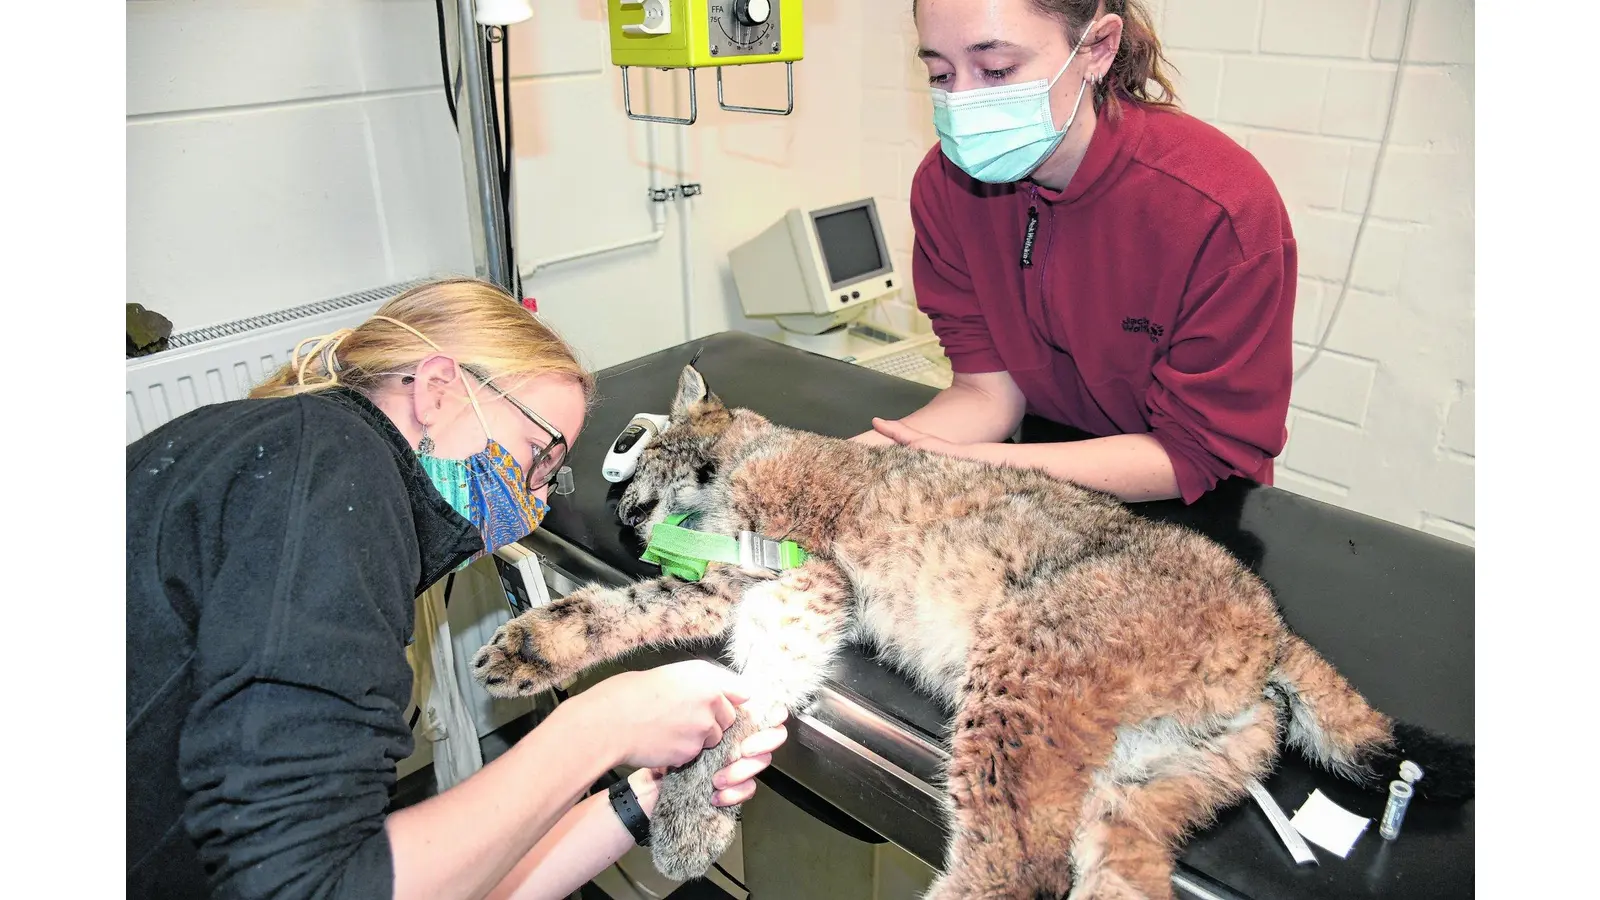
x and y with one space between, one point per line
785 634
1162 782
547 645
1020 769
1041 733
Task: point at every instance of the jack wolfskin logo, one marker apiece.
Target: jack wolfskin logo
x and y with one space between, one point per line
1143 326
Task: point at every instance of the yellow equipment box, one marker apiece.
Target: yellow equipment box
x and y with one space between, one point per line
693 34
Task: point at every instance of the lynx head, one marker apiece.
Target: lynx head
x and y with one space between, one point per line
677 472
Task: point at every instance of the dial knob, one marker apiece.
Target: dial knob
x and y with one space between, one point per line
752 12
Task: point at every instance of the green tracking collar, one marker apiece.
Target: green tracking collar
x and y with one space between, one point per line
686 553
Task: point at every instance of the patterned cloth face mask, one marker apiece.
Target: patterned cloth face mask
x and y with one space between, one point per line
489 488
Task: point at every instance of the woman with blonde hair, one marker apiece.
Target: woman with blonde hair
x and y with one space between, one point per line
275 549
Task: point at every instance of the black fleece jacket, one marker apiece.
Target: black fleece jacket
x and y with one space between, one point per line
275 551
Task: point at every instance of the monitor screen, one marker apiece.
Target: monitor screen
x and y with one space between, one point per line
849 244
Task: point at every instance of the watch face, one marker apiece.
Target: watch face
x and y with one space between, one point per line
627 438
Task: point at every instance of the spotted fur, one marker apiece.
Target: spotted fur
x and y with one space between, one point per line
1115 682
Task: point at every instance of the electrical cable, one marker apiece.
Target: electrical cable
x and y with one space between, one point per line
496 153
444 65
1372 189
511 157
505 105
502 143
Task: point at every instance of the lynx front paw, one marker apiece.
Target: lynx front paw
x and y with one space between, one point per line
536 650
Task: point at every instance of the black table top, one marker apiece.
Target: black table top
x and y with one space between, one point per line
1390 606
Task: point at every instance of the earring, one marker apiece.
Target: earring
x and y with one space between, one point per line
426 444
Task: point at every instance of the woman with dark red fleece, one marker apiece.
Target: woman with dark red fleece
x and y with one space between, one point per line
1091 254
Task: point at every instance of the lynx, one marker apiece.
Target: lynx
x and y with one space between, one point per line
1114 682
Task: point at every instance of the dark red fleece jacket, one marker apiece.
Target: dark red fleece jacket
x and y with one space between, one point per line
1156 294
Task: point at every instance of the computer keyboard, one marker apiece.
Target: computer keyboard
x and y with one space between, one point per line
912 366
902 364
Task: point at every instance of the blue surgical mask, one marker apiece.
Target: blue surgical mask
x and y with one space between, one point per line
1003 133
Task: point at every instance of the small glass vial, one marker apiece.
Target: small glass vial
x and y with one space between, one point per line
565 483
1399 798
1400 793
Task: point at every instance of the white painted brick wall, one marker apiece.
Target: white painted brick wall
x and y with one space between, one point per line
1383 422
1435 109
1326 240
1212 25
1356 102
1441 34
1380 259
1310 27
1271 92
1338 386
1310 310
1308 171
1457 435
1202 79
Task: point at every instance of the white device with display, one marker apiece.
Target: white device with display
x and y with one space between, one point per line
815 269
521 577
623 454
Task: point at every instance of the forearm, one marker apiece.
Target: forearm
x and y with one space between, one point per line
975 409
588 838
963 414
1133 467
461 843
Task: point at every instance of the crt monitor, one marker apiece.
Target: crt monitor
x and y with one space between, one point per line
815 269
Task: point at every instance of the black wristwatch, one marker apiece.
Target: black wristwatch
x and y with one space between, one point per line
626 805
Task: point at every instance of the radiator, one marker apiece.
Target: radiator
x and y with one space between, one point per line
222 362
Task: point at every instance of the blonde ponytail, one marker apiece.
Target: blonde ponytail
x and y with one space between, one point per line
473 321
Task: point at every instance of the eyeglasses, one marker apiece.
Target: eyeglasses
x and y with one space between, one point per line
547 459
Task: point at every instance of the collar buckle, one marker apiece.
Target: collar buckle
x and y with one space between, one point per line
760 552
757 552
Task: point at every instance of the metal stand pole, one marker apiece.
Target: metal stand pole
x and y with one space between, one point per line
485 211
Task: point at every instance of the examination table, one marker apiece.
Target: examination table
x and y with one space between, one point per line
1391 607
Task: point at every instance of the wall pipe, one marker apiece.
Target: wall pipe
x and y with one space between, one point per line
686 236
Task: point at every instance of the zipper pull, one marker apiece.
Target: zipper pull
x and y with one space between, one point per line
1028 236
